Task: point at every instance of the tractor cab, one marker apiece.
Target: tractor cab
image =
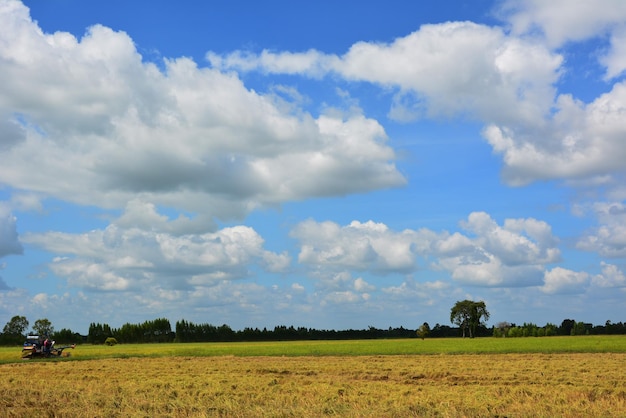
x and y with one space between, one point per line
32 345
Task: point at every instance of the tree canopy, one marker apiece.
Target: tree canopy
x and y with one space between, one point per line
467 314
43 327
13 332
16 326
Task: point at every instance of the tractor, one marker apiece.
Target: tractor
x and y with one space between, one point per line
36 347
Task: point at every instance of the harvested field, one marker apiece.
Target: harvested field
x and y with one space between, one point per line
490 385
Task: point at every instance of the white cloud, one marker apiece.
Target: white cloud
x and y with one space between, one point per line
311 62
9 239
610 277
276 263
360 246
560 21
510 255
298 287
343 297
116 258
92 276
145 216
561 280
425 291
615 59
362 286
504 79
518 241
105 128
580 141
609 238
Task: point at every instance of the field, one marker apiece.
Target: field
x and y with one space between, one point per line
567 377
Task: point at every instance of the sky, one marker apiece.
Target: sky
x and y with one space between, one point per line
329 165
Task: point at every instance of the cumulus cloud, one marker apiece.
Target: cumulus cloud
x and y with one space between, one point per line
105 127
561 280
561 21
514 254
116 258
615 58
579 141
610 277
508 81
502 78
360 246
609 238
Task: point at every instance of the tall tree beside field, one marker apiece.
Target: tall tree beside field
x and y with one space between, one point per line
98 333
468 315
460 315
43 327
13 332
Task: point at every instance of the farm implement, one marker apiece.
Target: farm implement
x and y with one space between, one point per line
35 347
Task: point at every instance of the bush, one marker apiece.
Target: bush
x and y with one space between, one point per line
110 341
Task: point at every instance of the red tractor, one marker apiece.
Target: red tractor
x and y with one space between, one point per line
36 347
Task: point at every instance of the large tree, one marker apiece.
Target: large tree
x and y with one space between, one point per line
13 332
16 326
43 327
467 314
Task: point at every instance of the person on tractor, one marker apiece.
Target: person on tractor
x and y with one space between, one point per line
47 346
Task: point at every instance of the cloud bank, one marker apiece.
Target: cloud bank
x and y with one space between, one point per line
103 127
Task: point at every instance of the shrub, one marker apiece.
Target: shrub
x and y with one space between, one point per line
110 341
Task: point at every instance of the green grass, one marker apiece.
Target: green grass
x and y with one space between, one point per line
578 344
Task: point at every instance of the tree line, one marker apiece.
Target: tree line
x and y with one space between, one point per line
567 327
189 332
159 330
156 331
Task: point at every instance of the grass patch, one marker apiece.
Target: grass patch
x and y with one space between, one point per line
577 344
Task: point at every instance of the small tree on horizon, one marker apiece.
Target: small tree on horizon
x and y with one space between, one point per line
423 330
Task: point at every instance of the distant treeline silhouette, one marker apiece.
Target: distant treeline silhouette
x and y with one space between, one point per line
159 330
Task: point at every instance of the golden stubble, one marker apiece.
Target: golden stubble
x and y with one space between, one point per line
513 385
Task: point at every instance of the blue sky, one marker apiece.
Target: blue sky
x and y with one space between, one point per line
326 164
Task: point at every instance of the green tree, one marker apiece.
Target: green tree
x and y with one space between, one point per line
468 314
501 329
579 329
551 329
43 327
566 327
13 332
66 336
98 333
423 330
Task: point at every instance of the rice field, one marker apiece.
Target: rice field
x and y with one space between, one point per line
342 379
